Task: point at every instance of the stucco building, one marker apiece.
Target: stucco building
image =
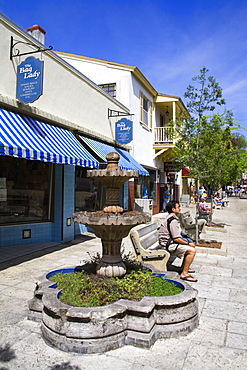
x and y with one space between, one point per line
48 116
152 114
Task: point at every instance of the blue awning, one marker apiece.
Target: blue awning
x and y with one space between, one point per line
126 162
24 137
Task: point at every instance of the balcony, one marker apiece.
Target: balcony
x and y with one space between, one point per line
164 135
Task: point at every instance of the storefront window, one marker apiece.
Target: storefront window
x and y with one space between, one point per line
25 190
145 186
88 192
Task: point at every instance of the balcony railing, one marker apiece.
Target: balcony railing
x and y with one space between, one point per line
164 135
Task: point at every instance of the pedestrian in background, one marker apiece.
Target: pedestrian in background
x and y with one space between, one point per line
166 197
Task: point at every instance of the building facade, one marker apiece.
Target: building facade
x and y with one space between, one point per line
45 150
152 114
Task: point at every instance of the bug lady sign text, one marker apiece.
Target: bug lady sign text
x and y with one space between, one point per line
29 80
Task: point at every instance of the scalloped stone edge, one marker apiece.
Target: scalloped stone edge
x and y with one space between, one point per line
89 330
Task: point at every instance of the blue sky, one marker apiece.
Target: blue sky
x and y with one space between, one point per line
169 41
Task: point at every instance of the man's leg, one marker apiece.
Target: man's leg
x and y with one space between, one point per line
187 261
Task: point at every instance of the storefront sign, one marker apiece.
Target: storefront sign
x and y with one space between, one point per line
29 80
123 131
168 167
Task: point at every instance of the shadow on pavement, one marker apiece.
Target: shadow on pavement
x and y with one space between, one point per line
41 252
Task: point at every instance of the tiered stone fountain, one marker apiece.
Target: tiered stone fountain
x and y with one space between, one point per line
100 329
112 224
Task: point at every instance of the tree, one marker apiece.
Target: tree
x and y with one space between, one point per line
206 143
204 98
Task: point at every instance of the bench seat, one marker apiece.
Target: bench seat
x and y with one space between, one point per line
188 225
145 246
185 200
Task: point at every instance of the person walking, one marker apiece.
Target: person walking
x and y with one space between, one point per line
166 197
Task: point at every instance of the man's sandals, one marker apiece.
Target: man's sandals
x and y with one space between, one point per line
189 278
189 271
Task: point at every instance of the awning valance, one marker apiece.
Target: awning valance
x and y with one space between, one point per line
185 172
126 162
24 137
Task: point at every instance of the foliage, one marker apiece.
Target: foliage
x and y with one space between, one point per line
89 290
204 98
207 144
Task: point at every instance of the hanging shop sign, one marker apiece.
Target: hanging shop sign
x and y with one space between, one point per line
124 131
168 167
29 80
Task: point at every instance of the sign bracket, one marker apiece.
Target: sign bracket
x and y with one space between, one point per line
18 54
116 113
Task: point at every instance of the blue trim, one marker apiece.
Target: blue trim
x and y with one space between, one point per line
126 162
24 137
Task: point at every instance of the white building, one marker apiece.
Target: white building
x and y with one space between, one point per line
153 137
43 151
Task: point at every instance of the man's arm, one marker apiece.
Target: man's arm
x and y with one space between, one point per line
175 234
183 242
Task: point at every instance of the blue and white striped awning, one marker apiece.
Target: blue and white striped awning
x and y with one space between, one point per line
24 137
126 162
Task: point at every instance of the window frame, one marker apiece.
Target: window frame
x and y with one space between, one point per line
106 88
148 112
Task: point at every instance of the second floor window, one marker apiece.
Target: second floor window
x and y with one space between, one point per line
110 89
145 111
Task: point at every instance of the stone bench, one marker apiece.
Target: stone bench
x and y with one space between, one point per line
188 225
145 246
185 200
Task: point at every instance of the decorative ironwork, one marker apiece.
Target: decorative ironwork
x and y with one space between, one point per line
18 54
116 113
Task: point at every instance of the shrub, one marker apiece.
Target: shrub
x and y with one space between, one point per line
85 289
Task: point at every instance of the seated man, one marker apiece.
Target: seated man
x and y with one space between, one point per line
171 239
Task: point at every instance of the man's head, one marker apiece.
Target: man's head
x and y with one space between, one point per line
173 207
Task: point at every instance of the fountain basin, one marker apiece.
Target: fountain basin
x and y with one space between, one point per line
99 218
100 329
111 229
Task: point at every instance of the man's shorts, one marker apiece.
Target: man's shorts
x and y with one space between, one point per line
177 250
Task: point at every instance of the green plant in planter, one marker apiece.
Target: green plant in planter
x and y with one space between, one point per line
89 290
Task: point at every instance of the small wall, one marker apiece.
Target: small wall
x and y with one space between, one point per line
100 329
13 234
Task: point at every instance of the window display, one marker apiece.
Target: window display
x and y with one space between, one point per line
25 190
88 192
145 186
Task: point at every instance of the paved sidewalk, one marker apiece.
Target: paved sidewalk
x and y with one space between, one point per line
220 341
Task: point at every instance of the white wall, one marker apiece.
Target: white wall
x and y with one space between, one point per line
128 93
103 74
142 149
